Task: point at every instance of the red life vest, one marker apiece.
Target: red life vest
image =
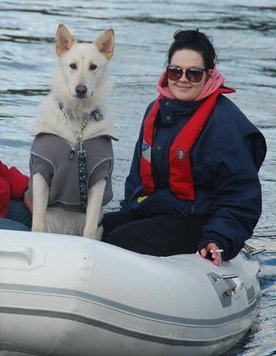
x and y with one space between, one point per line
180 171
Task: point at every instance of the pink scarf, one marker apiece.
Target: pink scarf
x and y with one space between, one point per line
215 81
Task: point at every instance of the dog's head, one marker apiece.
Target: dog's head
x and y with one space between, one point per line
82 65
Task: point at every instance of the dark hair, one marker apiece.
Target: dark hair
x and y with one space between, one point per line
196 41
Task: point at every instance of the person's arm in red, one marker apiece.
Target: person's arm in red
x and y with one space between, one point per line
18 183
13 185
4 197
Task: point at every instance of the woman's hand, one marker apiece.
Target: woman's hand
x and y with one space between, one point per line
213 252
27 201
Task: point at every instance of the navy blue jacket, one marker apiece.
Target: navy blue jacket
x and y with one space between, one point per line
225 163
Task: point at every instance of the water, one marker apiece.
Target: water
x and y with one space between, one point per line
244 36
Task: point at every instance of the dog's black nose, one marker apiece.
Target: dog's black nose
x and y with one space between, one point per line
81 90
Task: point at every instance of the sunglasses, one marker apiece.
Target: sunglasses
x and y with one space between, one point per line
192 74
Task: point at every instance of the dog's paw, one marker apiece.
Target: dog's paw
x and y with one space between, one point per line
89 235
92 234
38 229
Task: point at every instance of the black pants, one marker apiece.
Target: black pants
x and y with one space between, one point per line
161 235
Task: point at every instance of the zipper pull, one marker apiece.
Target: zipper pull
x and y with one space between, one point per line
81 151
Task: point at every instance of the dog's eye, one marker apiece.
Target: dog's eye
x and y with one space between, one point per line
73 66
92 66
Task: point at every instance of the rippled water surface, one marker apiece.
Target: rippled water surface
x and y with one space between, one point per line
244 35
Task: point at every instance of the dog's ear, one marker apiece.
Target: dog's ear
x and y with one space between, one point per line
64 40
105 43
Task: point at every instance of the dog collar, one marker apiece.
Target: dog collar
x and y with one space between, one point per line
95 114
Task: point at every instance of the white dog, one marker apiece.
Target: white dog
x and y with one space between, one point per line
72 158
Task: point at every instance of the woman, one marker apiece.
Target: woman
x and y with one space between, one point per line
15 203
193 183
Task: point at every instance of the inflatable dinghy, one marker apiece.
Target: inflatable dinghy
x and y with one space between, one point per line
66 295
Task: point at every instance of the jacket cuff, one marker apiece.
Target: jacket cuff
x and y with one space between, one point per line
222 243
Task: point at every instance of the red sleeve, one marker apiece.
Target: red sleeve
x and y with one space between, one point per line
4 197
18 182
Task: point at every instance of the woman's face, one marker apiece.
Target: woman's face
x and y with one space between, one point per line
183 89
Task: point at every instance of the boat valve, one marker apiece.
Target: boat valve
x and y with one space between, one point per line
225 286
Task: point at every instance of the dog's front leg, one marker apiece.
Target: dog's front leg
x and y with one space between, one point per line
40 202
94 209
